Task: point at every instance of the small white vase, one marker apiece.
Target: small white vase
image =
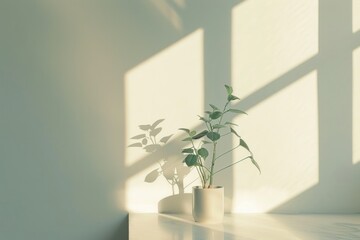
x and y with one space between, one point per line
208 204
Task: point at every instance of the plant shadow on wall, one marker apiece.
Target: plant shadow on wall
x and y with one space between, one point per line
170 167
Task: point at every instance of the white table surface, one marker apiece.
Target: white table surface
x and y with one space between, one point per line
245 226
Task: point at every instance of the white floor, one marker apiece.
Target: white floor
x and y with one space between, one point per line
245 226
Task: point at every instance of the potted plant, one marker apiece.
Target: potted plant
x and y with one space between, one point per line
208 199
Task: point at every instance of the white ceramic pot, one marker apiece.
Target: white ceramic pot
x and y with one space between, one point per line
208 204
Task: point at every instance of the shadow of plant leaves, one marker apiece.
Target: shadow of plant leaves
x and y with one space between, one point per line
172 168
155 132
152 148
152 176
156 123
135 145
165 139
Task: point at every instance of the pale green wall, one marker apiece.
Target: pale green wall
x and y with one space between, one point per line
62 116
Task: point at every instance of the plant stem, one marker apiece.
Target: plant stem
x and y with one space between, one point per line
227 152
224 110
207 126
191 182
203 166
212 163
225 134
230 165
200 170
201 177
214 147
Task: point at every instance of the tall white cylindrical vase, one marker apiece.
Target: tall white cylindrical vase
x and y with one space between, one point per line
208 204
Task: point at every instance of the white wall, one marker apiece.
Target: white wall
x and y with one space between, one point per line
77 78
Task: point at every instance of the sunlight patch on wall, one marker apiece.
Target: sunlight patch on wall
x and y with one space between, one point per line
285 144
168 86
356 106
355 15
271 38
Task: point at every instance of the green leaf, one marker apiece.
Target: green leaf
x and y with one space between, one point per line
155 132
218 126
230 123
190 160
144 141
203 119
236 111
144 127
208 112
213 136
187 139
187 150
214 107
244 145
185 129
192 133
215 115
205 142
139 136
234 132
229 89
203 152
154 125
232 97
255 164
200 135
165 139
135 145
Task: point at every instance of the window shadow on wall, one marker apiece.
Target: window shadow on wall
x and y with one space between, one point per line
337 189
334 66
174 21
